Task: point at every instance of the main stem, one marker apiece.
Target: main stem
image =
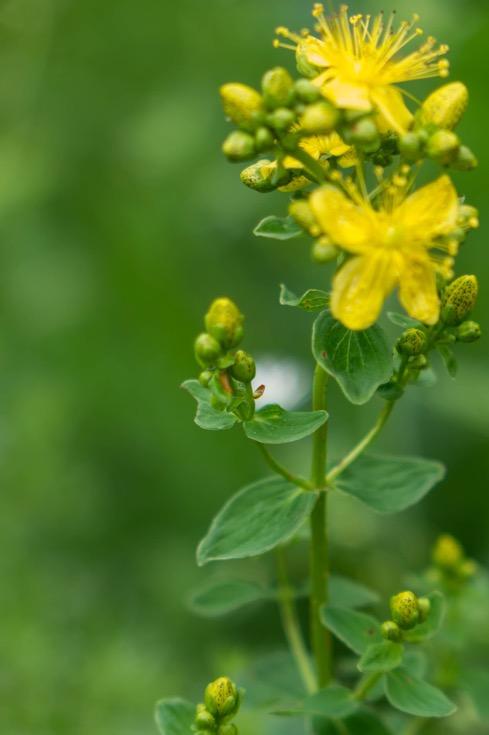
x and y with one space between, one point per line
319 562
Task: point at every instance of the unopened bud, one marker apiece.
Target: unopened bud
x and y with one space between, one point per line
228 729
301 212
222 697
364 134
443 146
459 300
319 118
204 720
467 569
281 119
241 104
239 146
465 160
304 66
260 176
404 609
278 88
468 332
205 378
411 342
244 368
424 607
418 362
445 106
391 631
263 139
447 553
306 91
207 349
410 146
323 251
224 322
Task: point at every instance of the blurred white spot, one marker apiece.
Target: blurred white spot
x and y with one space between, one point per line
286 381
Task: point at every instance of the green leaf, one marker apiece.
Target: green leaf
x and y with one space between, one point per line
272 678
344 592
415 696
208 417
356 629
174 716
448 359
390 484
415 663
432 624
359 361
222 597
335 702
311 300
381 657
255 520
402 320
274 425
361 723
278 228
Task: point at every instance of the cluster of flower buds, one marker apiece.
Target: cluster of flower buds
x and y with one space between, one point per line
407 611
433 133
221 704
451 567
227 371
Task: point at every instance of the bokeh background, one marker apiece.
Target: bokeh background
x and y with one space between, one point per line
120 221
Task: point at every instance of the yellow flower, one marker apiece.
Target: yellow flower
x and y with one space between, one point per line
323 145
357 62
391 246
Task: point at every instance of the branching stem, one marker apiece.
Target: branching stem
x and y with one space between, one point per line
281 470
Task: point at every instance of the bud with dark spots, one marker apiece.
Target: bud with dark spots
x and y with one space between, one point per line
459 300
404 609
222 697
411 342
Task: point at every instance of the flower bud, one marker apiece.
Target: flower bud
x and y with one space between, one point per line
424 607
467 569
241 104
323 251
418 362
391 631
204 720
277 87
306 91
319 118
222 697
445 106
468 332
301 212
244 368
263 139
281 119
465 160
447 553
410 146
443 146
260 176
304 66
459 300
207 349
228 729
411 342
404 609
205 378
224 322
239 146
364 134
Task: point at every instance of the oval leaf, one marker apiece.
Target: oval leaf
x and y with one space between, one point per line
278 228
273 425
311 300
207 417
359 361
357 630
344 592
402 320
381 657
221 597
432 624
334 702
390 484
415 696
255 520
174 716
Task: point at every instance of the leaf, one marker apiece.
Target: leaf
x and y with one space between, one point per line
356 629
381 657
415 696
415 663
390 484
402 320
359 361
311 300
278 228
174 716
361 723
335 702
344 592
274 425
255 520
271 679
448 359
208 417
432 624
221 597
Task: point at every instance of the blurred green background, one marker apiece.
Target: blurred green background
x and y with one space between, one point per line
120 221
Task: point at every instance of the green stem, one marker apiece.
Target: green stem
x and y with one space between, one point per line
291 624
365 685
281 470
319 562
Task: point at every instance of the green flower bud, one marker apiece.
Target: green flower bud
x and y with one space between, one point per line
239 146
260 176
304 67
264 139
410 147
301 212
228 729
465 160
204 720
222 697
468 332
411 342
241 104
418 362
391 631
278 88
445 106
224 322
467 569
323 251
364 134
459 300
424 607
447 553
244 368
306 91
205 378
281 119
319 118
207 349
443 147
404 609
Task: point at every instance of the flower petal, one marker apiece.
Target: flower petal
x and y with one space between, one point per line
417 290
430 211
394 115
346 94
346 224
360 287
314 51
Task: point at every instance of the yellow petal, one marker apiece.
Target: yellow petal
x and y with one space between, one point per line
430 211
314 51
394 115
346 224
360 287
348 95
417 290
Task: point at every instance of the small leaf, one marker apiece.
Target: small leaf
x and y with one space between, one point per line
174 716
390 484
273 425
344 592
415 696
402 320
208 417
311 300
272 678
448 359
357 630
221 597
361 723
381 657
278 228
359 361
335 702
432 624
255 520
415 663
